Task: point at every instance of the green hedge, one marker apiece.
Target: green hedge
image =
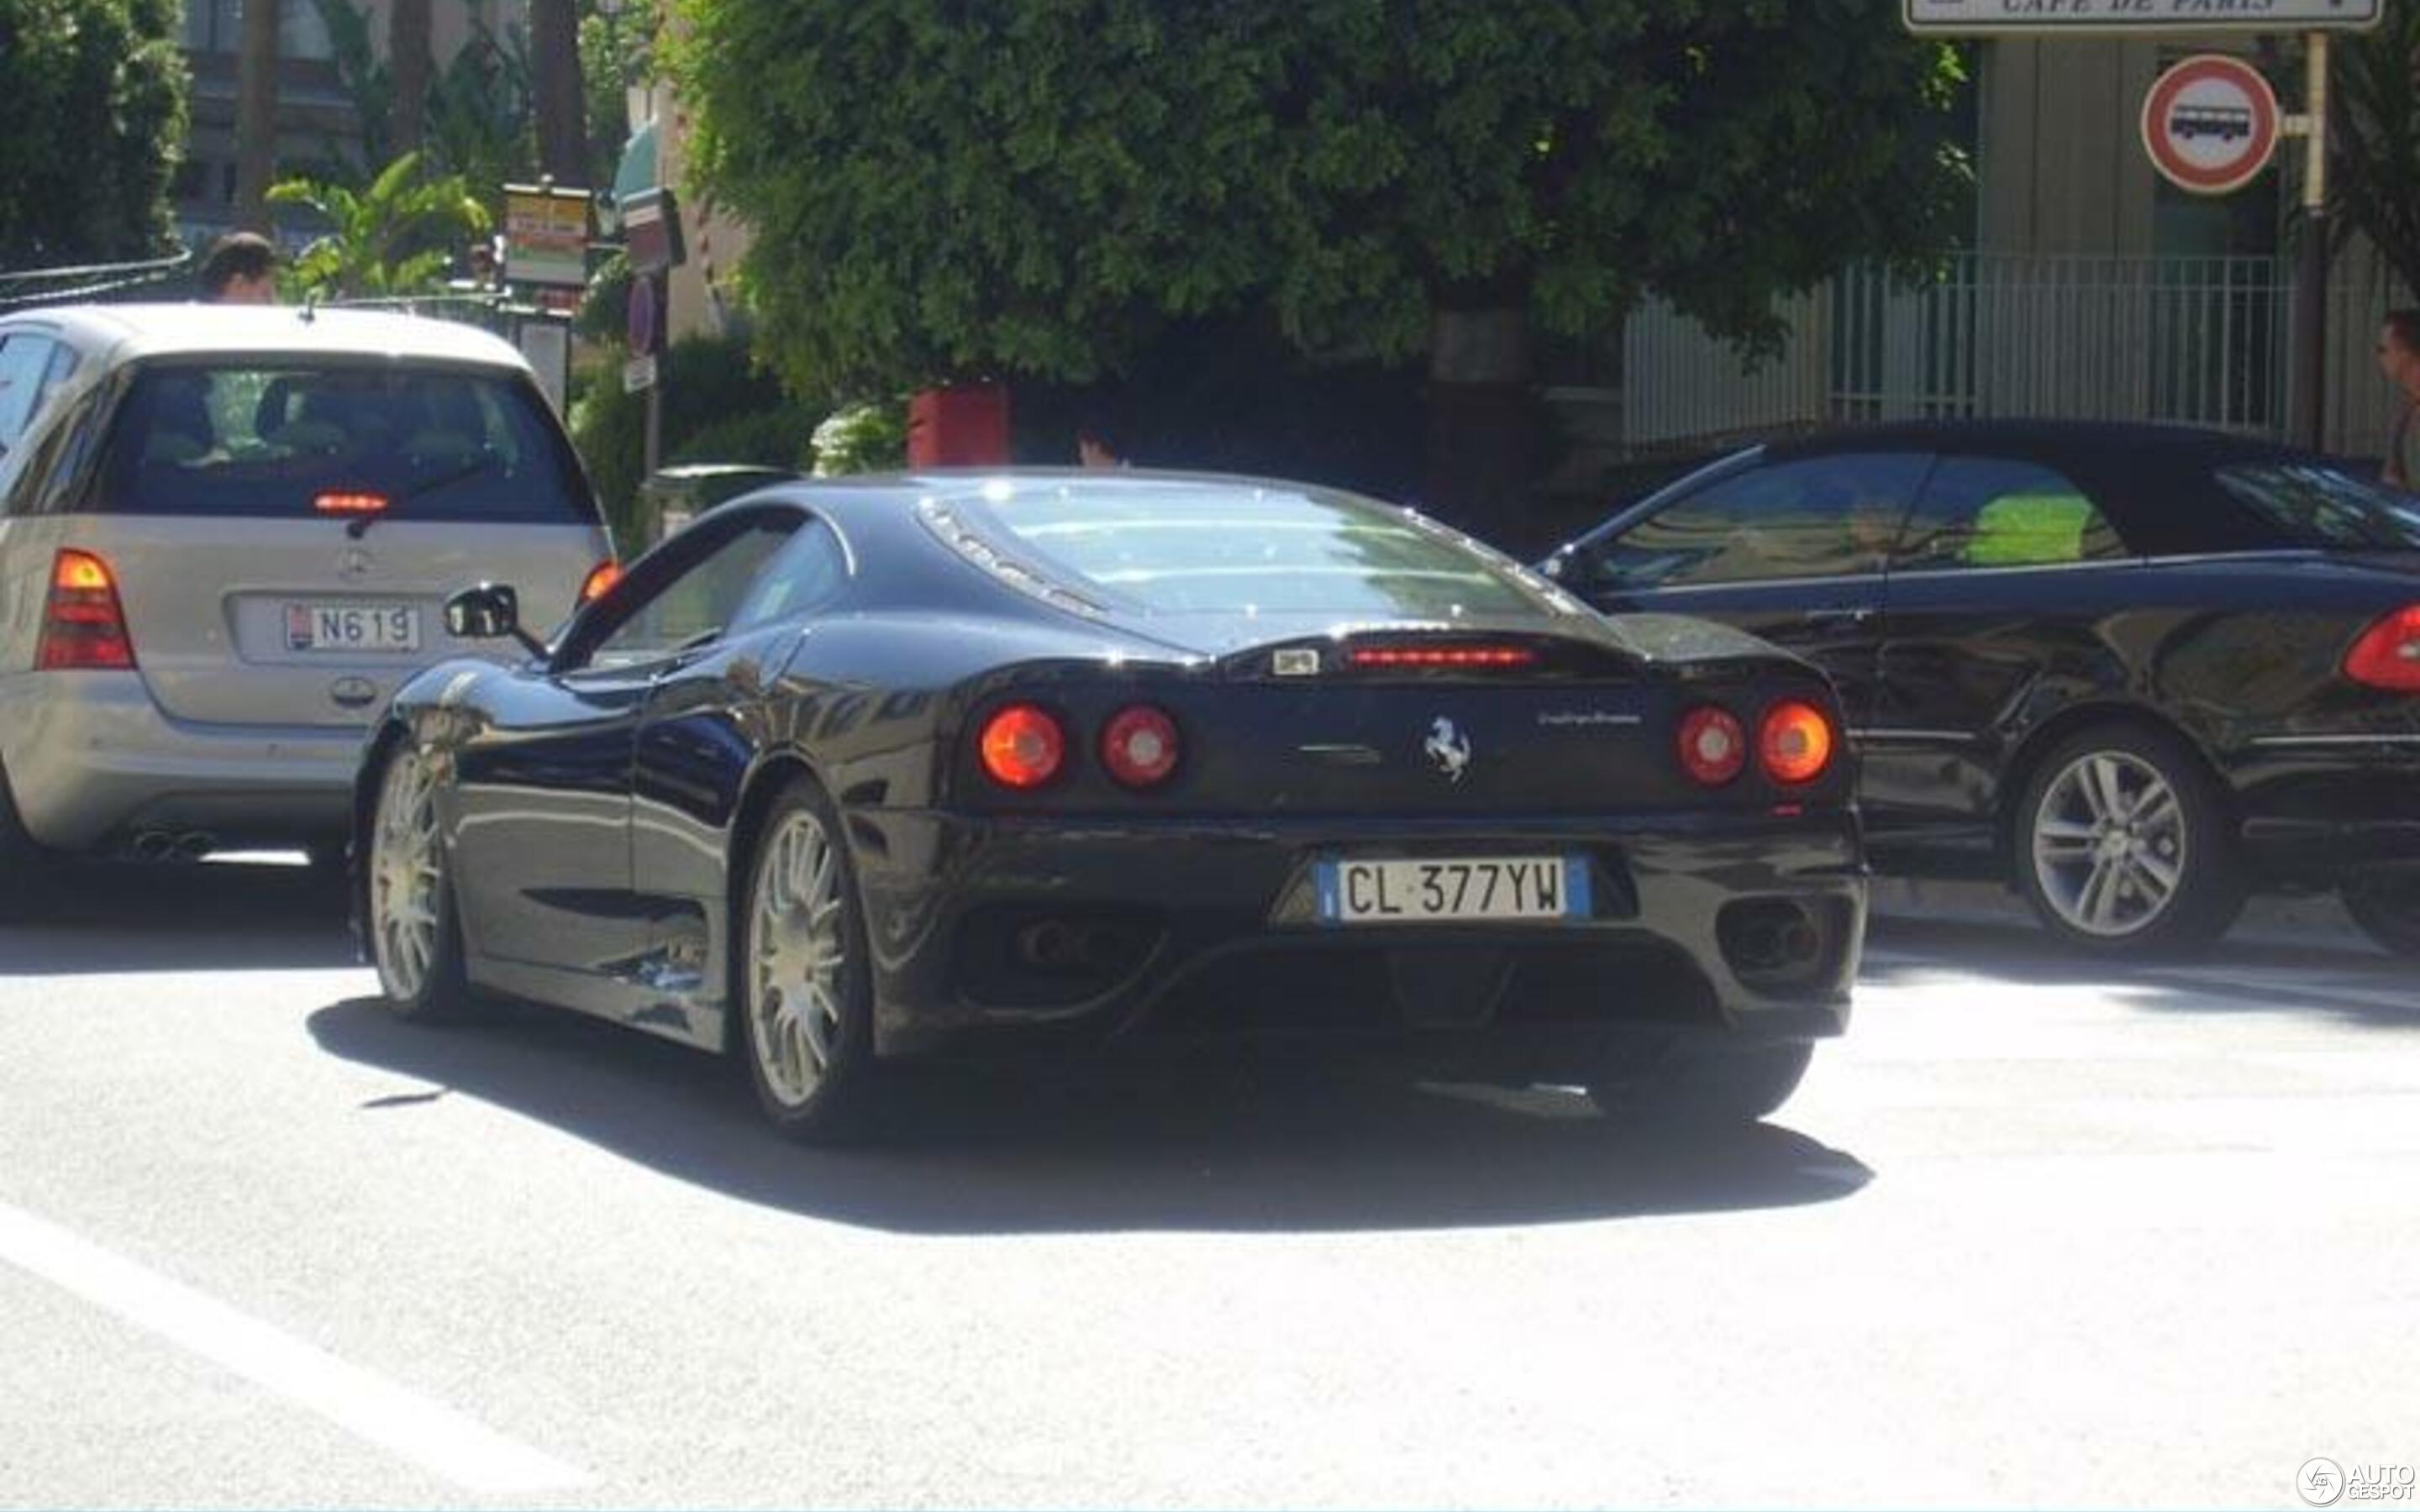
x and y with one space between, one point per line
718 408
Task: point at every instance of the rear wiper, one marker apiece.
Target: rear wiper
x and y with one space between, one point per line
359 524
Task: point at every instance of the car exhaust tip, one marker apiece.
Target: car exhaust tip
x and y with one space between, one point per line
1773 942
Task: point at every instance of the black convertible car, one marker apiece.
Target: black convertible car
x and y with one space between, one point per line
955 764
2133 670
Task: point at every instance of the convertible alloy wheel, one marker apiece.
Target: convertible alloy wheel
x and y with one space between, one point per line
412 934
2123 846
805 998
2110 846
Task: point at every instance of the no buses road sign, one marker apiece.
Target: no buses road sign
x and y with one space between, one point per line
1978 17
2210 123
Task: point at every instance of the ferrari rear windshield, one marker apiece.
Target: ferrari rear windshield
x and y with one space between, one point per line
280 440
1179 548
2314 503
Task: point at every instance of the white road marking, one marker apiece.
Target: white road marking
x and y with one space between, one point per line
422 1430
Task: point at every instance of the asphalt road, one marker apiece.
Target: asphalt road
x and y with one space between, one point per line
2033 1234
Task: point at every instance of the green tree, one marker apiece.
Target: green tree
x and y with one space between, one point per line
1036 190
396 236
2374 182
256 112
474 113
92 111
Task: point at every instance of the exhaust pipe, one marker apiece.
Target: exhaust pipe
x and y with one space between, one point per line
1771 938
1075 945
194 844
153 845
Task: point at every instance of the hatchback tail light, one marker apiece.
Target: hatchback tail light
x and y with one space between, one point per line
82 625
2387 656
1023 746
601 578
1714 745
1795 743
1138 745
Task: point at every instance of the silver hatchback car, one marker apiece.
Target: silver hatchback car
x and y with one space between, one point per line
227 534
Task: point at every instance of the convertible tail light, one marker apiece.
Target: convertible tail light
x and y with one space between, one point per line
601 578
1795 742
1467 656
83 626
2387 656
1023 746
1714 745
1138 745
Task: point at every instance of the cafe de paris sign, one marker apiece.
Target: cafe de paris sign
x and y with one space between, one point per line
1976 18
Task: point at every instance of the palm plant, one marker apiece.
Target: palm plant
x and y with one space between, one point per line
395 238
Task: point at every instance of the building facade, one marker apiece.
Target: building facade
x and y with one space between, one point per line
319 112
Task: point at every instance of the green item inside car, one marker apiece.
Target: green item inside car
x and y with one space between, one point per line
2022 530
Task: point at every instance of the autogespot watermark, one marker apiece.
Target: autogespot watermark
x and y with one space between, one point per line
2324 1483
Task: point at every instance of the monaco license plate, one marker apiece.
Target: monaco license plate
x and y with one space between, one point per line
1451 890
352 627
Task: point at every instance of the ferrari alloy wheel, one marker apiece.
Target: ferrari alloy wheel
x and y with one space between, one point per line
2122 846
2388 911
804 995
1703 1086
413 937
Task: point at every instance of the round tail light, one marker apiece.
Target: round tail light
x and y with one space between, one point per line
1714 745
1139 746
1023 746
1795 742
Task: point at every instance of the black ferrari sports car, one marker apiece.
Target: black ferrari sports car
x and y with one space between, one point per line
2134 670
851 772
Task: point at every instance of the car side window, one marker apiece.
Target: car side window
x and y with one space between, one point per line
25 365
1817 517
809 568
698 605
41 487
2000 512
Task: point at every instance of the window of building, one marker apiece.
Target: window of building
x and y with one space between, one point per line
217 26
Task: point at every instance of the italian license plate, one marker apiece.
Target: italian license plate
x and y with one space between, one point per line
1451 890
352 627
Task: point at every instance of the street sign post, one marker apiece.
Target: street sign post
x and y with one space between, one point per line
2210 124
1984 17
546 234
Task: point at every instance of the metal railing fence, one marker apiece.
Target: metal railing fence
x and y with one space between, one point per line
2201 340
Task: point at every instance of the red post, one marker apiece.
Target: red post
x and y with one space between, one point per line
962 425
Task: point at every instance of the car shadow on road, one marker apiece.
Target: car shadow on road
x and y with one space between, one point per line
2377 991
1089 1149
96 920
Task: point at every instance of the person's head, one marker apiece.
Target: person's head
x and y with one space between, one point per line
2399 349
1096 445
240 268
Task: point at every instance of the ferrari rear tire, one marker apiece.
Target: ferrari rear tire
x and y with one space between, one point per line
2388 911
2121 845
1705 1086
415 935
805 992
